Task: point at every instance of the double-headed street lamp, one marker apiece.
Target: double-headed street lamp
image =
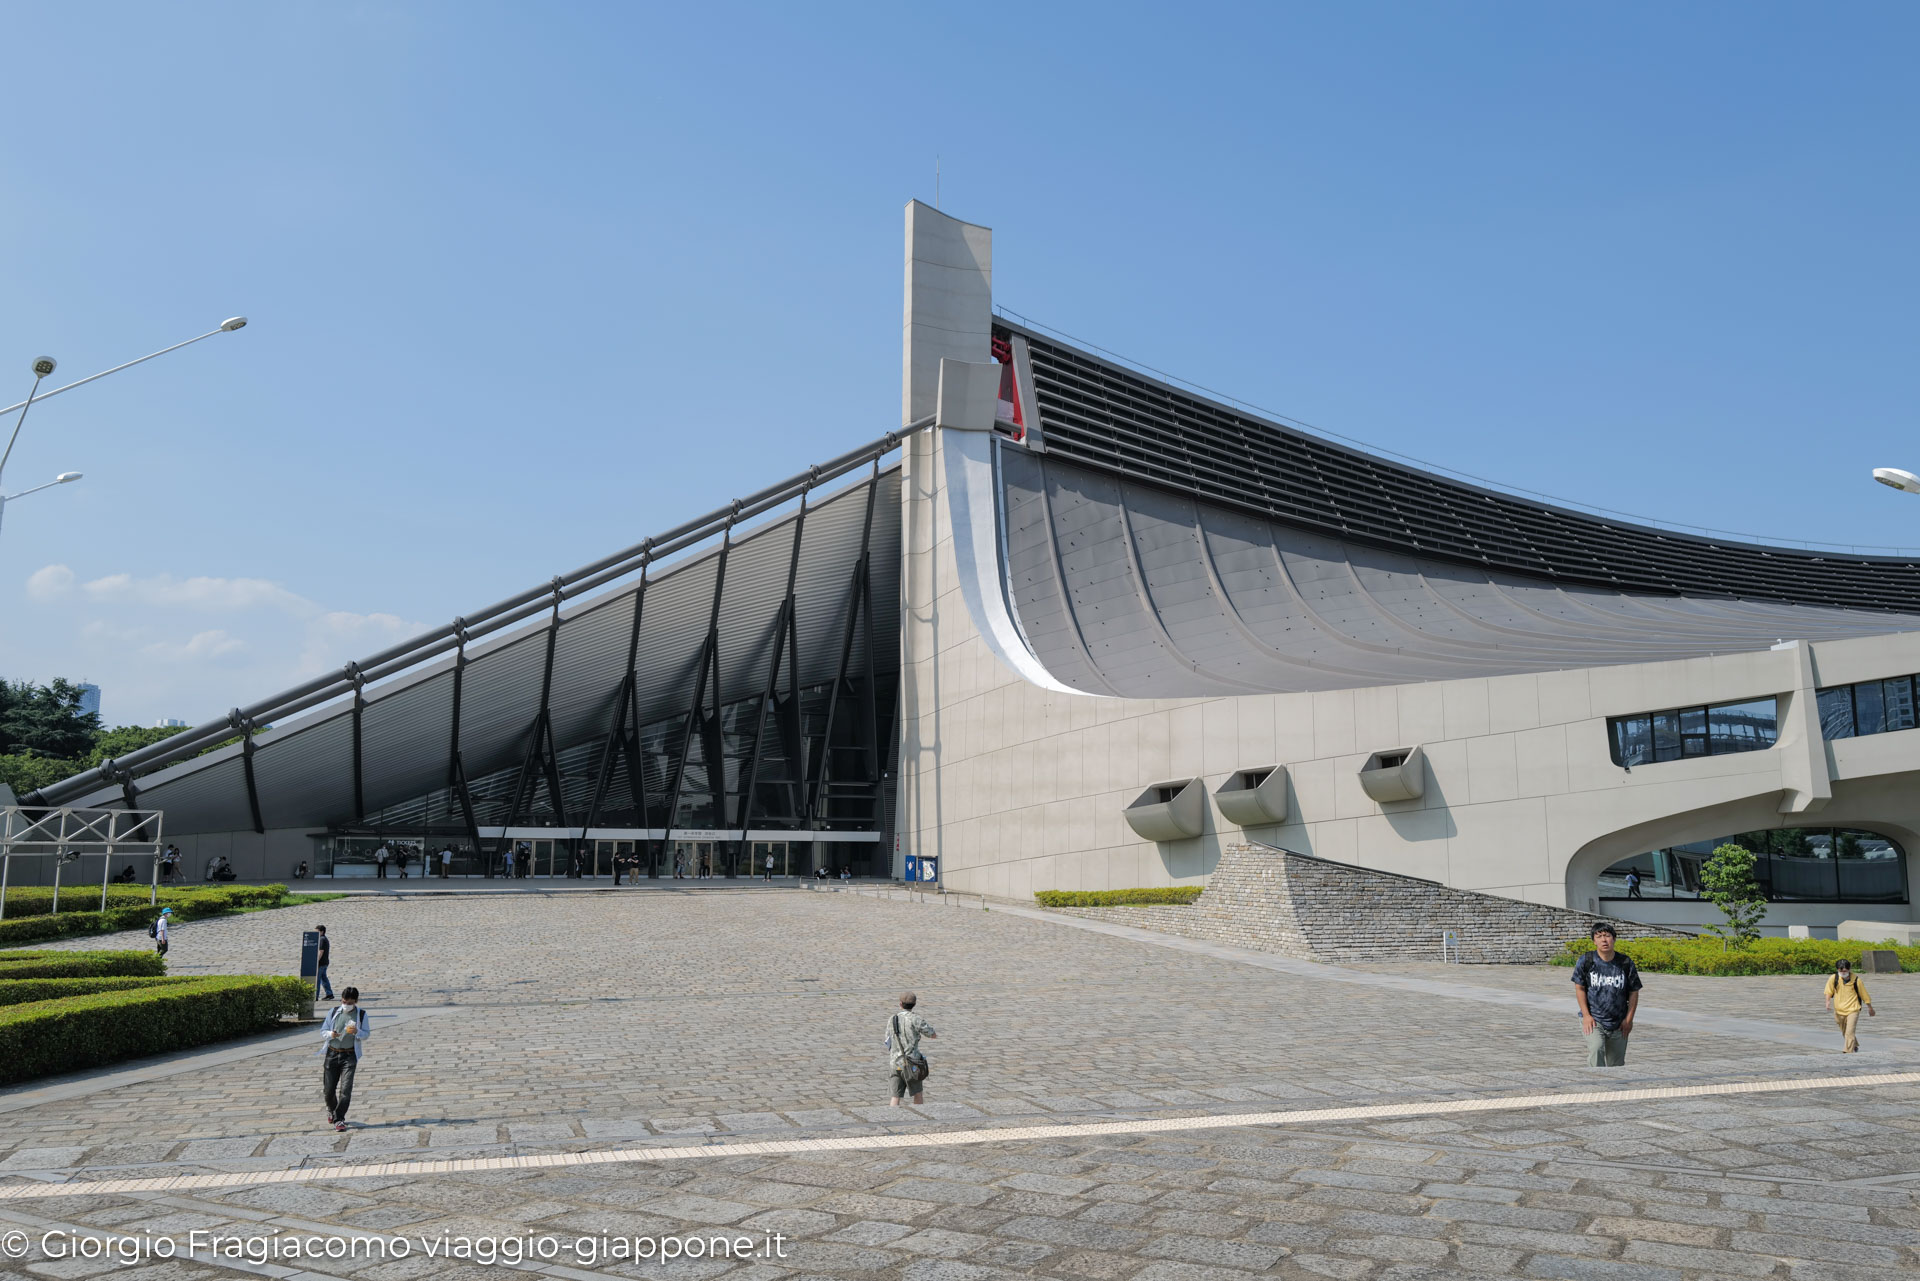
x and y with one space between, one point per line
43 367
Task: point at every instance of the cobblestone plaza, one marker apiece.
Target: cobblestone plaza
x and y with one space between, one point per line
516 1025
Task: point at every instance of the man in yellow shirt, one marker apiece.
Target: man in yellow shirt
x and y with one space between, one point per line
1845 995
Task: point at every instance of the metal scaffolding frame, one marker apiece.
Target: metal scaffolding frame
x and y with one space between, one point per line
67 833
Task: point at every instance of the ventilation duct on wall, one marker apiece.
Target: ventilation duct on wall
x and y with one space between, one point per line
1397 774
1254 797
1174 811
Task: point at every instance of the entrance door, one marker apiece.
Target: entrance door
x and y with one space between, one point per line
760 850
695 858
544 861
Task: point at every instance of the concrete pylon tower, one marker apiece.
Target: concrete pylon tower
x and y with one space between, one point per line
948 315
949 303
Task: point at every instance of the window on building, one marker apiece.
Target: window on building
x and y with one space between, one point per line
1793 864
1868 707
1715 730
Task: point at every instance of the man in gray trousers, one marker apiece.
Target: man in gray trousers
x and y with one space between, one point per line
343 1037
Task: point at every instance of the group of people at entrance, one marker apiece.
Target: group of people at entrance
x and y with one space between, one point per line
697 866
400 854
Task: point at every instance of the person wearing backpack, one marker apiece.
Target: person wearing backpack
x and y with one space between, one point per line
906 1064
157 930
1845 997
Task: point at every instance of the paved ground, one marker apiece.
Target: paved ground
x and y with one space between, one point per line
581 1021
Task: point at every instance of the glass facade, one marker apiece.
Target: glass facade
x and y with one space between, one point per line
1869 707
1715 730
1793 865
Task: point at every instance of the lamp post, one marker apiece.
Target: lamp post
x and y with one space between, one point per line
1898 478
43 367
65 477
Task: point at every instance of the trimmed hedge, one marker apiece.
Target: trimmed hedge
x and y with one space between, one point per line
22 991
44 1037
1764 956
187 903
48 964
38 929
127 909
1119 898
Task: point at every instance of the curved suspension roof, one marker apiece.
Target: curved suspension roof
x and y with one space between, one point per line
1113 419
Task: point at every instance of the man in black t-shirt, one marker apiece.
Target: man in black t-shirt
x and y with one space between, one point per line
1607 987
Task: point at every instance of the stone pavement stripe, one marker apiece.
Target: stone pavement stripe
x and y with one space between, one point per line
1687 1020
941 1138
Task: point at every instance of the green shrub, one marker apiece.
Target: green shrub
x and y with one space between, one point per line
73 1032
21 991
38 929
188 903
48 964
1119 898
1762 956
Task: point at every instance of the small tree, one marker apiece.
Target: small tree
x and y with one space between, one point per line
1727 881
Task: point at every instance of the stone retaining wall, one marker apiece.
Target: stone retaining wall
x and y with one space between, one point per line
1271 900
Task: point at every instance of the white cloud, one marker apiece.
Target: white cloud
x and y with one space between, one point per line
210 595
180 645
214 643
50 583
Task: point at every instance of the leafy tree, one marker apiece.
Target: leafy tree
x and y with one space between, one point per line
119 741
45 720
1727 881
24 773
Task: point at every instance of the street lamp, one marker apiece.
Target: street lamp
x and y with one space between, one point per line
1898 478
43 367
64 478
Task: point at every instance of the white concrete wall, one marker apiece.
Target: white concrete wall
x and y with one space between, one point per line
1018 789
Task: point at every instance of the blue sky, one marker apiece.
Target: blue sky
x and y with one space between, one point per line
529 283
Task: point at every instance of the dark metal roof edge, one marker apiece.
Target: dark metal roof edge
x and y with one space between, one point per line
1586 518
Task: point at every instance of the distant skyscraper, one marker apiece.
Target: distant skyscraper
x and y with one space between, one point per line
169 723
89 698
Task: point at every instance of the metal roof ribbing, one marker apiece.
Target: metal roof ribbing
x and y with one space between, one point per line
1105 416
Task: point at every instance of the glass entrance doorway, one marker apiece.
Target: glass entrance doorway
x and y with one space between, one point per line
789 859
549 858
693 860
617 859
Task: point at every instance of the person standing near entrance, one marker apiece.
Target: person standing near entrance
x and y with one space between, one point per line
343 1036
380 862
1606 984
769 866
446 861
325 959
1845 997
400 861
906 1066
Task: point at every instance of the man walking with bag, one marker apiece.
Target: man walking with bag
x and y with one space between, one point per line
908 1066
1846 995
343 1035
